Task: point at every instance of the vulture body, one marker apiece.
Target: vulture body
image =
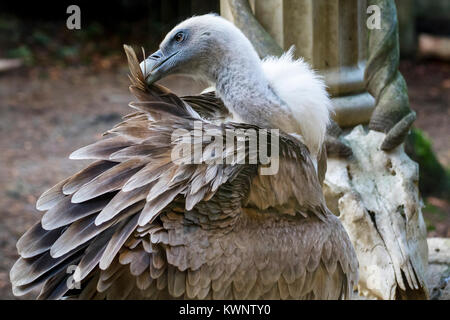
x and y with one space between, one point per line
135 224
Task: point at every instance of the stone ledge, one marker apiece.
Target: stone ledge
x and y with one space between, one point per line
438 274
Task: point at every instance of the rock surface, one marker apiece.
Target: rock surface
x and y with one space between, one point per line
438 276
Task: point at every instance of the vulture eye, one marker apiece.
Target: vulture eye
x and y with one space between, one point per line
179 37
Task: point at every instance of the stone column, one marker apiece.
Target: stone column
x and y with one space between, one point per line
331 36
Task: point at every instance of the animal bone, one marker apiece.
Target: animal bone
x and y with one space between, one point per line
377 198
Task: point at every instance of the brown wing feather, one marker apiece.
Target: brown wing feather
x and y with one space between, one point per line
208 106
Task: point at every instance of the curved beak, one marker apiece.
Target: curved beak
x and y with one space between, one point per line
155 66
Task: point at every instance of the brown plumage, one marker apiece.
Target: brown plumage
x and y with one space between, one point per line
138 225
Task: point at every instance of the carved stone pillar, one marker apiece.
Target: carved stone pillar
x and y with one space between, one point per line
334 45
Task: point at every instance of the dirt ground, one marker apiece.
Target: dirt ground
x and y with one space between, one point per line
47 114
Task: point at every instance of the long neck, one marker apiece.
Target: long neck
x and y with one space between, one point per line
241 83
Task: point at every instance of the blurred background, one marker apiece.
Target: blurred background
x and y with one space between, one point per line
60 89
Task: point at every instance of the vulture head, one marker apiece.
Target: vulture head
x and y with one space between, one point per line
200 47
